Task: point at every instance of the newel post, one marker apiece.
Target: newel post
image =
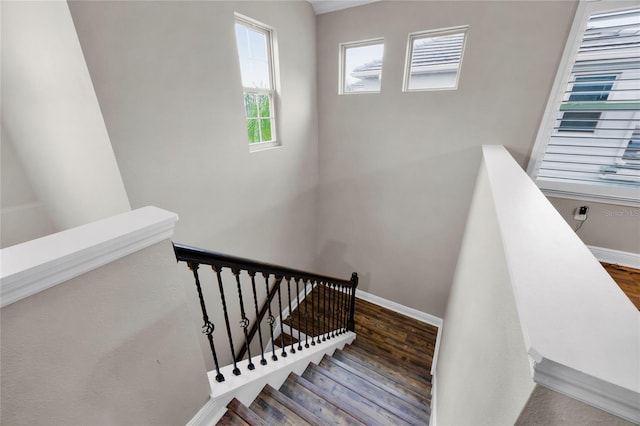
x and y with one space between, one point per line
351 323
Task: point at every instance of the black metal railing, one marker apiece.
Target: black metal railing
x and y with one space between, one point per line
321 307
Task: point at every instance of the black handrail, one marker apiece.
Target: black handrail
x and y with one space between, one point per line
187 253
333 326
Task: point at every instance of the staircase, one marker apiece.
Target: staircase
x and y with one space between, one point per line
382 378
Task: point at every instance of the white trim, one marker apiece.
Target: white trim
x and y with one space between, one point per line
401 309
588 389
624 258
39 264
433 418
206 415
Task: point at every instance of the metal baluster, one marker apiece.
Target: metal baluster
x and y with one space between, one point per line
351 324
325 312
299 308
208 326
252 274
217 269
332 303
244 321
313 312
339 288
345 300
336 296
306 316
320 332
284 353
293 351
335 309
271 319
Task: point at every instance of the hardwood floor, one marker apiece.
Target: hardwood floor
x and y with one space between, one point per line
628 279
395 337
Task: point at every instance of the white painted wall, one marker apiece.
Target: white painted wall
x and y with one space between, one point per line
168 81
483 372
22 216
397 169
113 346
51 115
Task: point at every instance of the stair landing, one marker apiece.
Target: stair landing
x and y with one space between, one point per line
382 378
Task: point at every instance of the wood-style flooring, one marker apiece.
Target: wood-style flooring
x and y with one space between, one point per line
628 279
382 378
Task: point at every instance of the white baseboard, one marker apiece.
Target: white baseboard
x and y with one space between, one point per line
208 414
623 258
401 309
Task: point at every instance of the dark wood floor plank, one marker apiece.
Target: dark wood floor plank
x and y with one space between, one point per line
628 279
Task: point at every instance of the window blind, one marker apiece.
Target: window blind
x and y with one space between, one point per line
594 139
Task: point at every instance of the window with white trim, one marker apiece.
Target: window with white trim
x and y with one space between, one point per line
433 59
588 145
255 51
361 66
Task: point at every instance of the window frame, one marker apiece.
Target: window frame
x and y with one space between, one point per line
440 32
272 93
628 196
343 47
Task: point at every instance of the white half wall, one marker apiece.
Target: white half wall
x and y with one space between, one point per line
483 371
113 345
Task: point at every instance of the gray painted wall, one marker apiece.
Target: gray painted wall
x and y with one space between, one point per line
22 217
112 346
609 226
397 169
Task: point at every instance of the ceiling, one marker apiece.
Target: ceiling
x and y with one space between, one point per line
325 6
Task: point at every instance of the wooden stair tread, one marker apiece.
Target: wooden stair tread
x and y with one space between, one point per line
375 392
298 409
271 411
420 395
230 418
306 394
355 404
245 413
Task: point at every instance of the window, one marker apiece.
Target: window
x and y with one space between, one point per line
588 142
255 51
361 66
587 90
434 59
